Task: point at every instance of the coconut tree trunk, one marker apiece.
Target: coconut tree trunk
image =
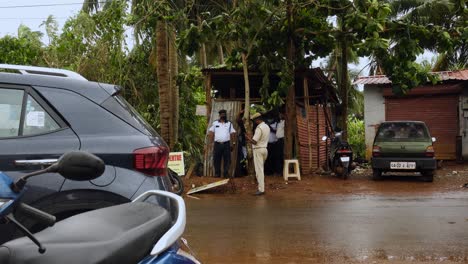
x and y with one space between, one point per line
163 75
173 68
202 54
344 88
343 77
248 124
290 122
220 54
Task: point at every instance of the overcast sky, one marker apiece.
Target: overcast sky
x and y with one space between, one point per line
13 13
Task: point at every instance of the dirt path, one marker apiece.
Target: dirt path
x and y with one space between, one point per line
323 219
447 179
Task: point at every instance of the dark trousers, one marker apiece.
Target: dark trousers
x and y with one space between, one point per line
270 161
279 157
222 151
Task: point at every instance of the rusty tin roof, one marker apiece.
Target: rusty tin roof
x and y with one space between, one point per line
460 75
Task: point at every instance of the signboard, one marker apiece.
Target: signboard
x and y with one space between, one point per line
200 110
208 186
176 162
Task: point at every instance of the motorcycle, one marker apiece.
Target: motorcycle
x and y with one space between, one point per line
134 232
341 156
176 181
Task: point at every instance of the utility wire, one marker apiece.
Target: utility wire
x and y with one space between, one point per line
45 5
29 18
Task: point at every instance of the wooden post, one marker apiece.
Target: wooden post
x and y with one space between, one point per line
248 124
208 95
206 150
318 135
307 108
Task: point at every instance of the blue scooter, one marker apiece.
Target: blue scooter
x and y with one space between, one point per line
135 232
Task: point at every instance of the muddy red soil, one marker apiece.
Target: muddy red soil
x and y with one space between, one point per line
449 178
324 219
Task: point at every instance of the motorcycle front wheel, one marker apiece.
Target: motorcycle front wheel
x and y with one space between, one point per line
177 183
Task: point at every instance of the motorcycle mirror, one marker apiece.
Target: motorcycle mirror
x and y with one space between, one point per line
324 138
78 166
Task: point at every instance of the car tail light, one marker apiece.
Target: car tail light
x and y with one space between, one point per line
376 151
430 151
151 160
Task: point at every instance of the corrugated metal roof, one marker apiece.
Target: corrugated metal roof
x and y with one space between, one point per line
376 79
461 75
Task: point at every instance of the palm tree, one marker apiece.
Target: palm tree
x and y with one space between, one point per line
452 15
94 5
51 27
164 57
34 37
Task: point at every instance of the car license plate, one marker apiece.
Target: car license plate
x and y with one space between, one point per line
344 159
403 165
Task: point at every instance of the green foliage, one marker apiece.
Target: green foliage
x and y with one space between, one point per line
356 102
24 49
393 32
192 128
356 136
94 44
20 50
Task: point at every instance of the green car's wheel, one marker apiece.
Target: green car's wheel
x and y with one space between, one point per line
428 176
376 175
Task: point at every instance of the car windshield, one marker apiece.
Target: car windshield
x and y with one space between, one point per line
402 131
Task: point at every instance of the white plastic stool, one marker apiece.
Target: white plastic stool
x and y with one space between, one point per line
295 174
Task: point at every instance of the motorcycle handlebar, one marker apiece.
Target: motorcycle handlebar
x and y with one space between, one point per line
37 214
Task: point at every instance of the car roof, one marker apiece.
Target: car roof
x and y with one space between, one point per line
403 121
57 78
34 70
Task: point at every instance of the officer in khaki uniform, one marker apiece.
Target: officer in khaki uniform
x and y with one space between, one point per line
260 152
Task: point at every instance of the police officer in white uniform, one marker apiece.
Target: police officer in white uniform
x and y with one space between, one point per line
221 133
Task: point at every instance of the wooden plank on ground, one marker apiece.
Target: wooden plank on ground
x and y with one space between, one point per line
208 186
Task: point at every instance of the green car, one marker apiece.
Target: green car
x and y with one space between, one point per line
403 146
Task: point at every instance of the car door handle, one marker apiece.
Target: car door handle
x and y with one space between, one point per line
35 162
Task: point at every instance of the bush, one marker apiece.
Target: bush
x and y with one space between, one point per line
356 136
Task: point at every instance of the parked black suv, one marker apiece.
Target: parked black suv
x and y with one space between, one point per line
46 112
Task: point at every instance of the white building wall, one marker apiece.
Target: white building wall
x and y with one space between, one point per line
374 114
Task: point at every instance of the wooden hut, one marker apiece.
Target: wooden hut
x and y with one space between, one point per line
315 100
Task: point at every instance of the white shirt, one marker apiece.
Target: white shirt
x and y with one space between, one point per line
222 131
262 133
272 138
280 129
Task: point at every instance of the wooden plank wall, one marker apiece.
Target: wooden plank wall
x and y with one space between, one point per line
311 126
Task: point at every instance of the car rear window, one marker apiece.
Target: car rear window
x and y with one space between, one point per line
404 131
121 108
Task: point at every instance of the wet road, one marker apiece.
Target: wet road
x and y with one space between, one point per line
329 229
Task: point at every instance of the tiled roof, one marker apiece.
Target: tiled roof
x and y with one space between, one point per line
461 75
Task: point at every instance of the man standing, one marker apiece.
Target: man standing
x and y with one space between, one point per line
260 152
221 133
272 152
279 161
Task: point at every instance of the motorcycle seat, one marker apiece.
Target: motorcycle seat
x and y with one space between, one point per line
123 233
